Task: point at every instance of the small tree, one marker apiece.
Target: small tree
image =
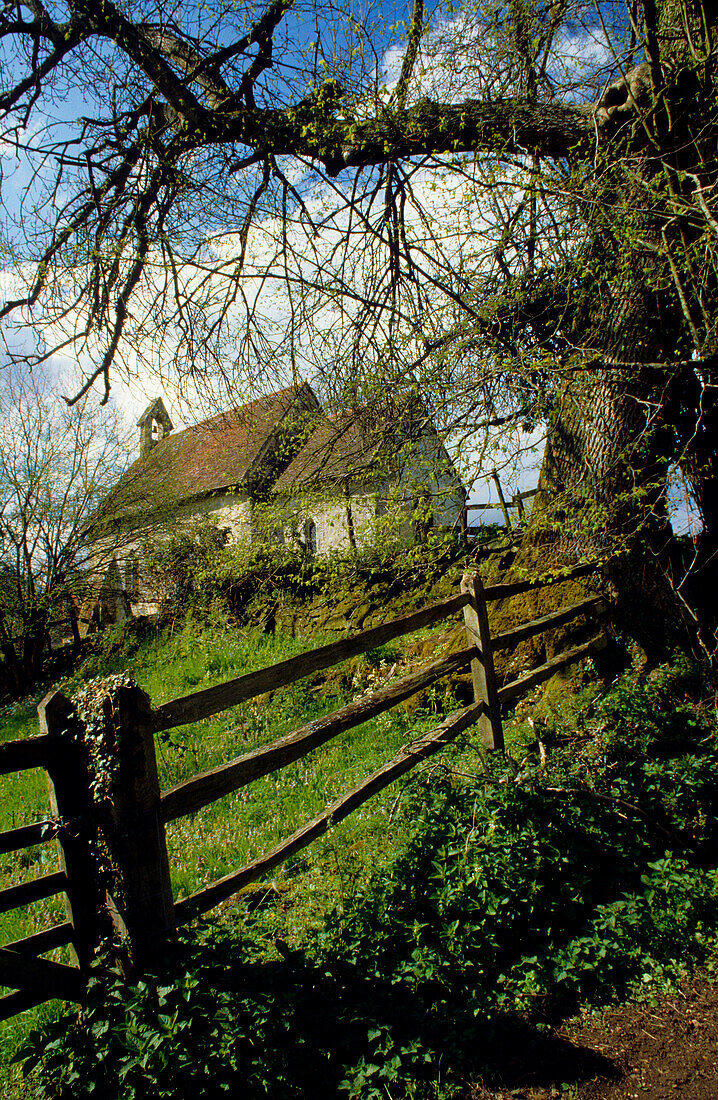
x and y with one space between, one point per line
55 463
186 566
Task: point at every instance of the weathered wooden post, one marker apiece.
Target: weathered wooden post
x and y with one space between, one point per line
144 903
476 623
71 807
518 503
502 500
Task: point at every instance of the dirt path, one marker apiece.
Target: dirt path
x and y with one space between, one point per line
646 1052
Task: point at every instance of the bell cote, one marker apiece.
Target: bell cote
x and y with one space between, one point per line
154 425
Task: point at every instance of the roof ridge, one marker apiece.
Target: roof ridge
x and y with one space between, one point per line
296 387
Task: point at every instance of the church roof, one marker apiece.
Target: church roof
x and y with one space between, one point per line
233 449
356 443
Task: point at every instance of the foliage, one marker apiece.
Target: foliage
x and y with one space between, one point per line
199 567
182 567
512 899
55 463
96 704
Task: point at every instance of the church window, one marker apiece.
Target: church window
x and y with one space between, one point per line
310 537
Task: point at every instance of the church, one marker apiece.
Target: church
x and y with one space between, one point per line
330 482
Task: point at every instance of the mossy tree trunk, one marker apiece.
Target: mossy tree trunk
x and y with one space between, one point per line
638 395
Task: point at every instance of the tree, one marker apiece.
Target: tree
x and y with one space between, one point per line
209 120
55 464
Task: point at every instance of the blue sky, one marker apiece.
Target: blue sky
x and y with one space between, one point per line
302 39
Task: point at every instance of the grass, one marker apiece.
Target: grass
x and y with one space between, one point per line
24 793
229 833
25 800
498 902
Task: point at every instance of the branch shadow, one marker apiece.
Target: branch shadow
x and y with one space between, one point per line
329 1030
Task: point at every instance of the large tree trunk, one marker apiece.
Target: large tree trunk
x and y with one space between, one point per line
634 404
602 497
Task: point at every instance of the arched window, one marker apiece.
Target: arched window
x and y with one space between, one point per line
132 576
310 538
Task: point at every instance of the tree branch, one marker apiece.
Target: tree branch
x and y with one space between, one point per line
503 128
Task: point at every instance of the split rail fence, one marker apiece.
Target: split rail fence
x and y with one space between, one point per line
133 823
517 502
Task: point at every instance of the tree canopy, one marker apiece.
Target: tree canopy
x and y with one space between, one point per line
183 163
217 152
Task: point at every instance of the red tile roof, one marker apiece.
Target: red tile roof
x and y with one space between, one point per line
223 452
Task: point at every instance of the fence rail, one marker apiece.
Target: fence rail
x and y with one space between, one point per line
14 840
516 502
134 823
209 701
547 622
404 761
32 752
192 795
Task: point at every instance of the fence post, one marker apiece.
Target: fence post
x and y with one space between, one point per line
144 906
71 804
476 623
502 500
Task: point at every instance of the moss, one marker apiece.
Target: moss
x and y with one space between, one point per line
560 691
531 561
359 614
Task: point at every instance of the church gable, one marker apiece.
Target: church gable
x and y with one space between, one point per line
244 448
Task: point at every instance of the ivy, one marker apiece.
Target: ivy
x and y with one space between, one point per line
97 705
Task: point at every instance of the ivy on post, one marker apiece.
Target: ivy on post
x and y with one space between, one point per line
483 676
71 807
139 850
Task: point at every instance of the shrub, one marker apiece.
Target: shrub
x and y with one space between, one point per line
181 565
509 897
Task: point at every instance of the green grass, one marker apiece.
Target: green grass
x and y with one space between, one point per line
403 960
24 793
460 896
236 829
25 800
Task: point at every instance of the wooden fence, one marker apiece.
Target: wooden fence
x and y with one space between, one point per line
141 905
516 502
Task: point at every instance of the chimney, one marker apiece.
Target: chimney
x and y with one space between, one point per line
154 425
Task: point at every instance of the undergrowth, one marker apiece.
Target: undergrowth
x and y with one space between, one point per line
175 658
585 873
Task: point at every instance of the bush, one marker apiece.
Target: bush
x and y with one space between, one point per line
199 566
182 565
509 900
